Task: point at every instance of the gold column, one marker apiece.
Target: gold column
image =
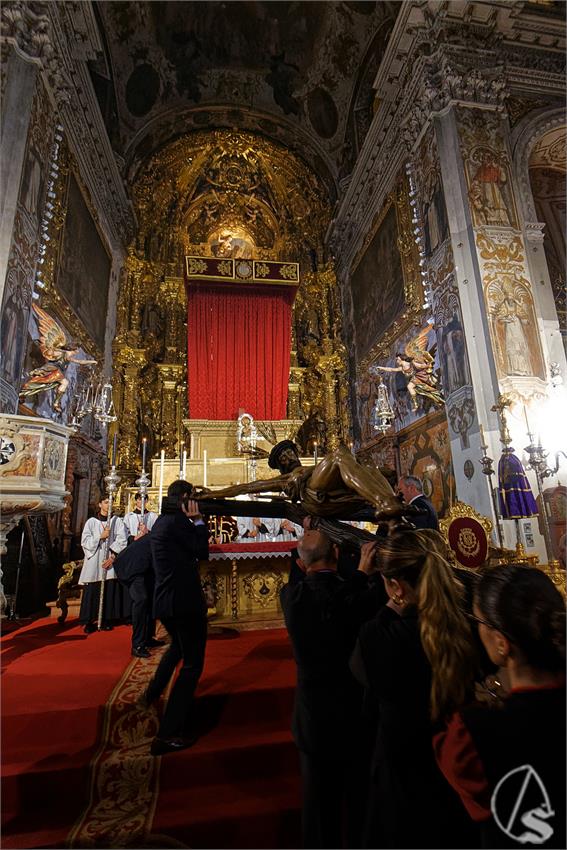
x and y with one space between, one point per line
175 344
170 375
130 361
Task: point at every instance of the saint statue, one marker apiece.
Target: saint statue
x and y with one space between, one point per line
58 353
416 365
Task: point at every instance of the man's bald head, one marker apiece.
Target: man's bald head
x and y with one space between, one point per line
316 550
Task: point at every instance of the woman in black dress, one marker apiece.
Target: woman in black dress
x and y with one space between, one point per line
417 661
508 762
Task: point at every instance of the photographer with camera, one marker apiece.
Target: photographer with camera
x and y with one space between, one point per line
179 540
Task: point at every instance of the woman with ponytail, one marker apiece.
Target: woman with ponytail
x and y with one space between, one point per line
417 660
508 763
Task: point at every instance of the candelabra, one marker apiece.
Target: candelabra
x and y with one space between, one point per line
143 482
382 413
538 462
488 470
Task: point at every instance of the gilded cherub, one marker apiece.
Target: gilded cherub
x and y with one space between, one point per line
58 352
416 366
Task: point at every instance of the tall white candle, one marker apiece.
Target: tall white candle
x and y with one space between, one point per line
315 452
161 471
144 448
185 464
191 447
205 468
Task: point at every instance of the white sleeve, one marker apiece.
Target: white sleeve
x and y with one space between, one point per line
244 524
272 525
118 535
90 539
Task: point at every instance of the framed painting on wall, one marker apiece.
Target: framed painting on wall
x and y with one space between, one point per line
377 284
83 275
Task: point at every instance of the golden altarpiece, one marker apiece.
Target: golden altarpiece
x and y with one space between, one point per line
230 196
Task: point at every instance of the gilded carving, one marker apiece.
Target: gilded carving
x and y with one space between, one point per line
263 588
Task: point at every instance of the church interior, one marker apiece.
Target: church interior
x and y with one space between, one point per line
225 225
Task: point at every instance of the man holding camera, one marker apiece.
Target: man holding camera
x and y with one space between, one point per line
179 540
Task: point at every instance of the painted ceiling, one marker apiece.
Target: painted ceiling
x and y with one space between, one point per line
301 73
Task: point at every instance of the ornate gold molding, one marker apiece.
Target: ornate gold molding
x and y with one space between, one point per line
409 255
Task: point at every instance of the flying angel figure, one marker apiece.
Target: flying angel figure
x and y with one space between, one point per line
416 366
58 352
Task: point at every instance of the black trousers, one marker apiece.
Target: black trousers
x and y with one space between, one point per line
141 594
188 642
334 800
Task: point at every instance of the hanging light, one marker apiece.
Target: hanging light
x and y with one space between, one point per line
382 413
104 404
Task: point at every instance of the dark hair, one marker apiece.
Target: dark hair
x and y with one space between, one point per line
420 559
177 493
390 475
139 496
279 448
524 604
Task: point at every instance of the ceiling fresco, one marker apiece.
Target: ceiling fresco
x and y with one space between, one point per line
297 67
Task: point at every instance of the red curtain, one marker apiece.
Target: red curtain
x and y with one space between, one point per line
239 342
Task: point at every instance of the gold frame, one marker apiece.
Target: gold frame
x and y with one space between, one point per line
409 256
461 510
52 300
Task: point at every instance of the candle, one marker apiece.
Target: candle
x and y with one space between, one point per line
161 471
526 418
191 447
315 451
483 444
205 468
185 464
114 444
180 461
352 448
144 448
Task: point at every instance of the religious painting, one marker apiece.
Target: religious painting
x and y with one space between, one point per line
453 357
435 222
84 266
425 451
377 284
490 192
12 328
513 325
32 186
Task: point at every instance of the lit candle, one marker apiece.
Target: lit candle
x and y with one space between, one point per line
144 448
352 448
315 451
191 447
483 444
161 471
205 468
185 464
114 445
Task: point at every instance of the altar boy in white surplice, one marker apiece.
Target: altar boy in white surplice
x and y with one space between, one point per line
101 542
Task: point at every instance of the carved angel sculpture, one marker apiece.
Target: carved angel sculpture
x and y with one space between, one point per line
58 352
416 366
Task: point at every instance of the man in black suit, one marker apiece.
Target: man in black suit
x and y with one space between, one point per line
411 488
134 569
323 614
179 540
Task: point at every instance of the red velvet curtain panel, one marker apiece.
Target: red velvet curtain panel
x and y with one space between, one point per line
239 343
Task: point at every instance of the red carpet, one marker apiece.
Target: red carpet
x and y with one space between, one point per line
76 769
